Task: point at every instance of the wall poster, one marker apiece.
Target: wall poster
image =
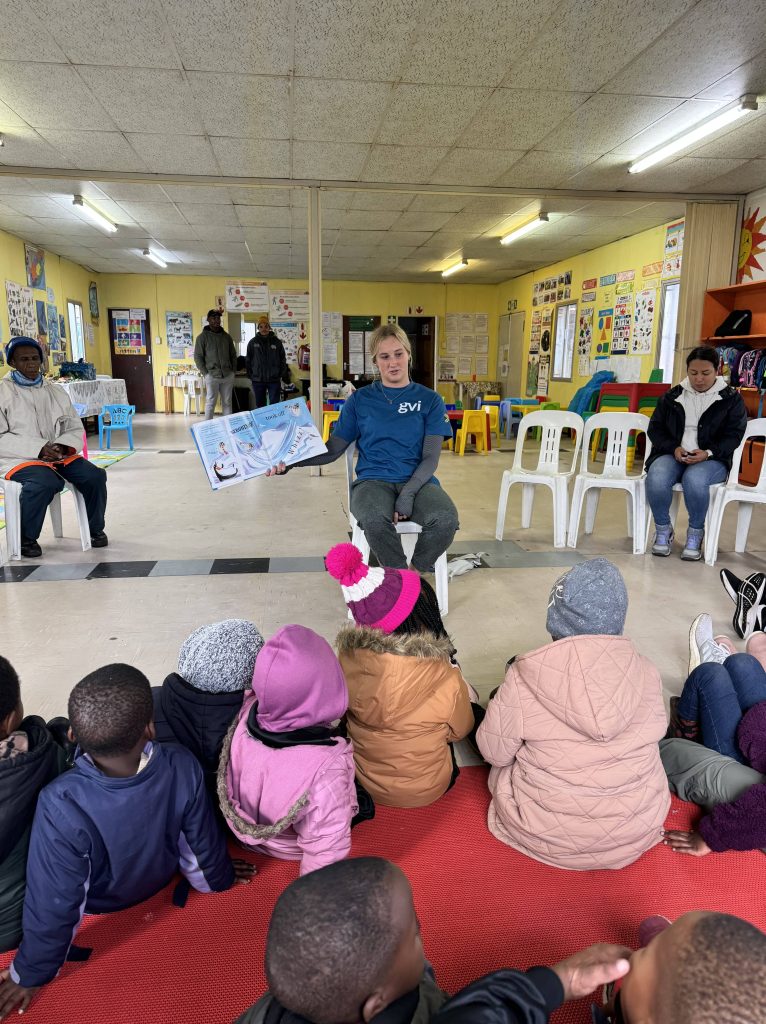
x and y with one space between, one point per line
623 317
643 322
603 337
584 341
34 259
247 296
179 329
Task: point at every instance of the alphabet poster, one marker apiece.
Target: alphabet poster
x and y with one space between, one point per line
643 323
623 317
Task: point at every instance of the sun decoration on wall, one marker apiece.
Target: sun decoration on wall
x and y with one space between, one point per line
751 245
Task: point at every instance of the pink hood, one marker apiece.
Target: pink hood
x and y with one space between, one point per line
572 735
291 801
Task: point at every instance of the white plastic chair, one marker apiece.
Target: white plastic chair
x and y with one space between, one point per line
408 531
675 503
547 472
587 485
191 392
12 493
732 490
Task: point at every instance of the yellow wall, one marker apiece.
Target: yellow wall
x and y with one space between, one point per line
631 253
68 281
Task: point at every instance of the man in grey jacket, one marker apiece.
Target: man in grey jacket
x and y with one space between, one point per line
216 359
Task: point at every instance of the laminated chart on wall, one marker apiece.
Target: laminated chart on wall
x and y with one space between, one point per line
674 247
602 338
536 331
623 318
42 318
292 335
247 296
584 341
545 336
533 365
332 336
22 315
128 334
543 373
54 340
179 329
643 322
291 304
247 444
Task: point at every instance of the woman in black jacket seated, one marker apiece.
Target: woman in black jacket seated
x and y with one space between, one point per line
196 705
695 429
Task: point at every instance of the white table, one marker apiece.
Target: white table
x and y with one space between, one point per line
95 394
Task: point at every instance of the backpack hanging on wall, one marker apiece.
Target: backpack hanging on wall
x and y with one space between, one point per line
747 370
736 323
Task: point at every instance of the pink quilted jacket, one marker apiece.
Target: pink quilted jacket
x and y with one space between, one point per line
572 735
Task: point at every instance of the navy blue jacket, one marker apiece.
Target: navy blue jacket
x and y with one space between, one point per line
100 844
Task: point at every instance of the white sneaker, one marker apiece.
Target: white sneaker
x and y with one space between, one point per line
703 647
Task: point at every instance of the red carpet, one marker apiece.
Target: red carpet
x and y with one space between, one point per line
481 904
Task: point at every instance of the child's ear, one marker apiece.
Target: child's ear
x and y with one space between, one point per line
151 731
373 1005
70 735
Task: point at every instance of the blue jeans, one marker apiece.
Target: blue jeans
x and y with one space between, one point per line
261 388
695 480
717 696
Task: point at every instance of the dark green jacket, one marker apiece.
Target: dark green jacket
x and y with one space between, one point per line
214 353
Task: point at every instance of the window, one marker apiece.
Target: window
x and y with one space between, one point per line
76 332
668 322
564 340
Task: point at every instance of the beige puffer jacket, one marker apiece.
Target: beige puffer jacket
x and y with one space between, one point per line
572 736
32 417
407 703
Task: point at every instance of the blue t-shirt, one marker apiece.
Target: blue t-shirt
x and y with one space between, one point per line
389 426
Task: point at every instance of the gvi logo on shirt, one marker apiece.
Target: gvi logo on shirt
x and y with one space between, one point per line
409 407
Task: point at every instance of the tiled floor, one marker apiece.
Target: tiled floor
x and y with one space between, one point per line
180 555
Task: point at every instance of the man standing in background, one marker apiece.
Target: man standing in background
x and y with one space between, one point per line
266 364
216 359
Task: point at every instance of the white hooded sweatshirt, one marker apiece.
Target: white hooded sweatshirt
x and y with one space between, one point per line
695 403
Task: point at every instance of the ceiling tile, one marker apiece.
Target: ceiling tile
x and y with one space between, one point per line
746 178
169 234
333 199
263 216
145 100
438 203
264 158
130 33
330 218
713 39
473 166
413 164
337 160
198 213
255 236
33 206
519 118
475 46
159 213
242 196
607 120
256 105
25 147
209 195
394 238
220 232
369 220
748 77
14 186
686 174
471 223
381 201
336 111
26 37
539 169
429 115
232 35
100 151
683 117
421 221
500 205
120 190
746 140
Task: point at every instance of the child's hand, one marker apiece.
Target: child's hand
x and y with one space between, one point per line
686 842
591 968
243 870
13 995
276 470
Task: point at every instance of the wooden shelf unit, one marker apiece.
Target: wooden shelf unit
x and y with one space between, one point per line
719 302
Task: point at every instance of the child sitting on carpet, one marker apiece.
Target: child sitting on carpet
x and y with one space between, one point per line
286 777
113 830
344 945
196 705
572 735
408 701
724 704
706 968
31 756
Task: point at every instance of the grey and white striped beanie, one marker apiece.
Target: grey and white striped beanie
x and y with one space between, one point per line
220 657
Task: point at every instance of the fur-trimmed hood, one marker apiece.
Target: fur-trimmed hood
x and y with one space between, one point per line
412 645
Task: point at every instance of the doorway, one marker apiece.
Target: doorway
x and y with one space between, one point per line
510 347
76 330
130 345
421 330
666 350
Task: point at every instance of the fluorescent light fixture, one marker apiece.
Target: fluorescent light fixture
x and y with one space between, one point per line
512 236
744 105
155 258
94 215
454 268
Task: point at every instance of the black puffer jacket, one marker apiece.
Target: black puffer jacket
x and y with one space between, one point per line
721 426
21 779
196 719
266 360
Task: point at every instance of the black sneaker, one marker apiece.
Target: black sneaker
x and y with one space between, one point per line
30 548
750 599
731 583
99 540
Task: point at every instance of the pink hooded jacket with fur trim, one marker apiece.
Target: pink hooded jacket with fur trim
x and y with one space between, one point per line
572 736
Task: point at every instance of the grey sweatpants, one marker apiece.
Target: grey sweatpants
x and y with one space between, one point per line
703 776
372 505
215 386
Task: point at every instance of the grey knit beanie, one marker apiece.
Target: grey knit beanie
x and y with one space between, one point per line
591 598
220 658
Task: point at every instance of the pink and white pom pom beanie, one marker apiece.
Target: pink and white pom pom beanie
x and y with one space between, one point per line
381 598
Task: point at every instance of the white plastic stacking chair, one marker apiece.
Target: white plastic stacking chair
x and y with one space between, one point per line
191 393
732 490
675 503
12 493
547 472
408 531
588 485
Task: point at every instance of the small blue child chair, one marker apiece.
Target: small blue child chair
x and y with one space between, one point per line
120 418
